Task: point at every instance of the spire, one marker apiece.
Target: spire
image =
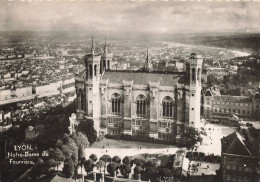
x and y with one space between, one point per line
147 62
105 46
92 47
147 56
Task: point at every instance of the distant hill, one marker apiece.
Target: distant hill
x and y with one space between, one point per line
238 41
247 42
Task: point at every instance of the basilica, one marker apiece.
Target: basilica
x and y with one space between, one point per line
144 102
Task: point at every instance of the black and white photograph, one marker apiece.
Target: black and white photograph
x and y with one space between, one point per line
129 91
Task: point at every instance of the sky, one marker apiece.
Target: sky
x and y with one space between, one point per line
137 16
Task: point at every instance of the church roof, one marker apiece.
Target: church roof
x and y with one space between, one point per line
143 78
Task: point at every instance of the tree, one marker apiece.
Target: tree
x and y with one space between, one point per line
66 151
59 143
38 169
139 162
161 65
125 170
135 161
55 157
81 153
150 170
82 160
190 138
88 166
164 173
73 147
69 167
80 139
51 163
56 126
58 156
149 164
70 147
126 160
212 80
235 92
137 171
74 157
87 128
116 159
100 165
106 159
93 157
112 167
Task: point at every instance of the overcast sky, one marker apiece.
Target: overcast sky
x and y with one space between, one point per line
162 17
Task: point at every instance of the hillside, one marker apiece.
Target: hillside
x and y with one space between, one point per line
238 41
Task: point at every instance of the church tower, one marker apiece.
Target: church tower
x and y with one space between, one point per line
106 59
194 73
93 75
147 64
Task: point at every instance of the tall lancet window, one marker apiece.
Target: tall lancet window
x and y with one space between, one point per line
108 65
141 106
115 99
90 71
198 75
95 70
193 74
100 68
167 104
104 64
82 100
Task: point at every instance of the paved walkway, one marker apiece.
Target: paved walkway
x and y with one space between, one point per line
113 143
211 143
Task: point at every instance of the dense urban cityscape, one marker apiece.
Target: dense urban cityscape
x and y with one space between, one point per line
131 105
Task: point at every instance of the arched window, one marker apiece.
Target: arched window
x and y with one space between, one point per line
198 74
95 70
82 100
141 106
115 98
167 107
90 71
108 64
104 64
193 74
188 71
100 67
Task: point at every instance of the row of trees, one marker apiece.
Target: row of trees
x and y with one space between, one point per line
145 168
67 150
61 147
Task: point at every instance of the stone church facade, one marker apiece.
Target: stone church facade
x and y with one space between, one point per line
144 102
